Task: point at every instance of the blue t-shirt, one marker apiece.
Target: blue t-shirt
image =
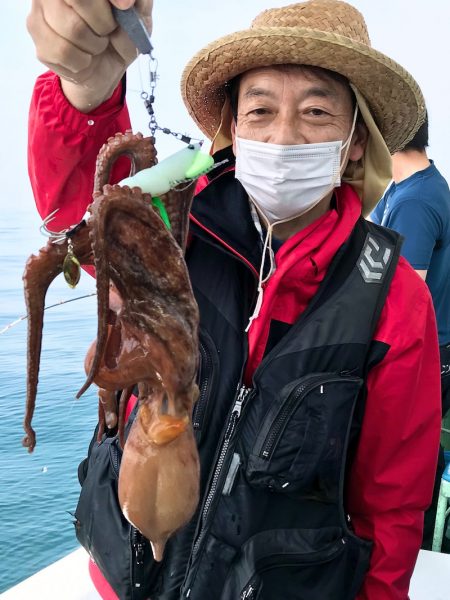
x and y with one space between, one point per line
419 208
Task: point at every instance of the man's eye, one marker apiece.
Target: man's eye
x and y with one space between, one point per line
317 112
259 111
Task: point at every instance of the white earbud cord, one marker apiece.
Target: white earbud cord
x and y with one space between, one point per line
262 279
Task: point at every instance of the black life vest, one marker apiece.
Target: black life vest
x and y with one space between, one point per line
273 522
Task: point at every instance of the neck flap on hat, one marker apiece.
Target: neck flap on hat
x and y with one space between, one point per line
370 175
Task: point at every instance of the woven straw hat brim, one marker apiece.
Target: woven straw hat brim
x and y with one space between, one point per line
392 94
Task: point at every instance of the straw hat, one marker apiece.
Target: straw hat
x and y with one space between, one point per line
325 33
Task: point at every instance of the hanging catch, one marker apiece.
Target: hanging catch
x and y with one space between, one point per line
147 332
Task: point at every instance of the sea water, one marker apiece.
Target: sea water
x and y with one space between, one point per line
39 491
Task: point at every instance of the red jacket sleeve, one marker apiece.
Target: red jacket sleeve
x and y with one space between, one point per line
392 477
63 144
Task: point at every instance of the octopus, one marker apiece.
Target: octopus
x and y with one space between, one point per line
147 337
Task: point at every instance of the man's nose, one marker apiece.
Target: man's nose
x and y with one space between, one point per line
287 131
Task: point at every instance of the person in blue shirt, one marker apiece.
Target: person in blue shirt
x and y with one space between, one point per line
417 205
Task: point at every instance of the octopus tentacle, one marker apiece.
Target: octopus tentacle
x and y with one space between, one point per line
124 397
101 422
141 152
39 273
35 291
102 280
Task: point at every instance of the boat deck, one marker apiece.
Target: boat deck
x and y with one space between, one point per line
430 581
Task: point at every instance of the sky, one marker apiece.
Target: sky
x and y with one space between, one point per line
412 32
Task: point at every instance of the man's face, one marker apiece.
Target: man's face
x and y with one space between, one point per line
295 105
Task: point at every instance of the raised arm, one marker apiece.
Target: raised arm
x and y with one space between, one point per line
81 42
77 105
63 144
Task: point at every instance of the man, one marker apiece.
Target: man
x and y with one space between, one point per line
319 414
417 205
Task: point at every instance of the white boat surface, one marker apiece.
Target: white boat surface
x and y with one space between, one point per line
68 579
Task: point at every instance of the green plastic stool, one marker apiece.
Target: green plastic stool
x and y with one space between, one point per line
443 509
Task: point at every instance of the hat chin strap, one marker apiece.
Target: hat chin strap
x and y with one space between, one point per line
223 139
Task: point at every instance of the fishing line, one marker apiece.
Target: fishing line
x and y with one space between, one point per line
60 303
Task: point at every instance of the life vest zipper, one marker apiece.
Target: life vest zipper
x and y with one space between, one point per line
138 555
242 395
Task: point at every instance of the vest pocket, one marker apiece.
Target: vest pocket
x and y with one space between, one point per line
303 438
312 564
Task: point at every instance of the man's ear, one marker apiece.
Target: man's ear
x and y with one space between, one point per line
359 141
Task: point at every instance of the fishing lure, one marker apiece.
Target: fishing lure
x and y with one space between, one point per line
182 167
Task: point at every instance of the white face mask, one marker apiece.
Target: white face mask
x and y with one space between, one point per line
285 182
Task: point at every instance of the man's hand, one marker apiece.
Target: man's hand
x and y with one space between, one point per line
82 43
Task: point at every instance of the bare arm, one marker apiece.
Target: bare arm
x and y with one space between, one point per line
422 273
81 42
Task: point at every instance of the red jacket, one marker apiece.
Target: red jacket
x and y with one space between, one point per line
391 480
